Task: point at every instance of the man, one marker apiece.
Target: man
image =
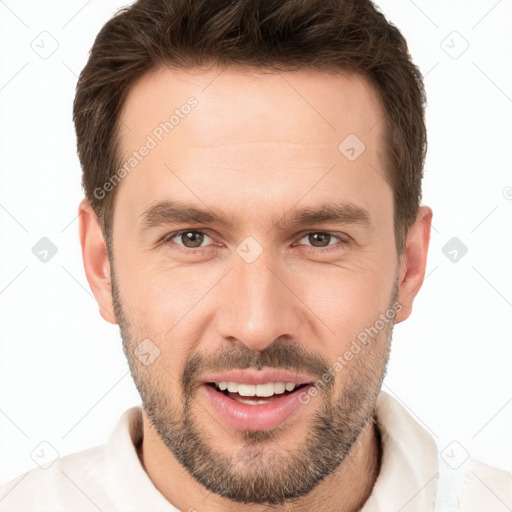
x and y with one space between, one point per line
252 222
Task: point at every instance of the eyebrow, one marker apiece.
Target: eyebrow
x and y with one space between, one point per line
173 211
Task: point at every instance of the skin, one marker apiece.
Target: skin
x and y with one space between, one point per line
255 147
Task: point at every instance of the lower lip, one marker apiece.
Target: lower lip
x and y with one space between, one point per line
254 417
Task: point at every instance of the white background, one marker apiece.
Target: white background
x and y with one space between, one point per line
63 376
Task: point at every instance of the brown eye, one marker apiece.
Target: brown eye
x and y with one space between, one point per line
323 243
188 239
319 239
192 239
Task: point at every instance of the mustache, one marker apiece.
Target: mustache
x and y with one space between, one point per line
280 355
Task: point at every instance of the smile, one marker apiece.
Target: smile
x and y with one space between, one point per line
236 391
254 407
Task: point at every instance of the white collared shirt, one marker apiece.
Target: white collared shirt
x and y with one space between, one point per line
413 475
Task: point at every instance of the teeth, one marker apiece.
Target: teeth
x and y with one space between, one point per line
279 388
265 389
233 387
262 390
246 389
251 402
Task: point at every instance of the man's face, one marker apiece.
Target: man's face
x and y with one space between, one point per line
271 290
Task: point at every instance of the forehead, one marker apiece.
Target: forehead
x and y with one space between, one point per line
265 104
216 132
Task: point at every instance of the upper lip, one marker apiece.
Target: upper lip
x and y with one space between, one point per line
258 377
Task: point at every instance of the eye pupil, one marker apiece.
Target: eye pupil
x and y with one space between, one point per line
324 237
193 237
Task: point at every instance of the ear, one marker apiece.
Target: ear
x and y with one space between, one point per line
413 262
95 258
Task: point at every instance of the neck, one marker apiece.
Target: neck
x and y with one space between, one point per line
345 490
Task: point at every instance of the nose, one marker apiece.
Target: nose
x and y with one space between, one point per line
259 304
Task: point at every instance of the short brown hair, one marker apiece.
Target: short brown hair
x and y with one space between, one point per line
347 35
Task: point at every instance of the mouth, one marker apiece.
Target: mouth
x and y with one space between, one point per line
251 394
255 407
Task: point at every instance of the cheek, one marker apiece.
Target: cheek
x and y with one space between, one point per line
347 298
167 306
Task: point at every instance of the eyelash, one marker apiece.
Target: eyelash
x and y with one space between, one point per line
200 250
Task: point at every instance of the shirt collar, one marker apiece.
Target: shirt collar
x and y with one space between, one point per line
128 485
407 479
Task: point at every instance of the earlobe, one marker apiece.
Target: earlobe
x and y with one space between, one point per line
414 262
95 259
